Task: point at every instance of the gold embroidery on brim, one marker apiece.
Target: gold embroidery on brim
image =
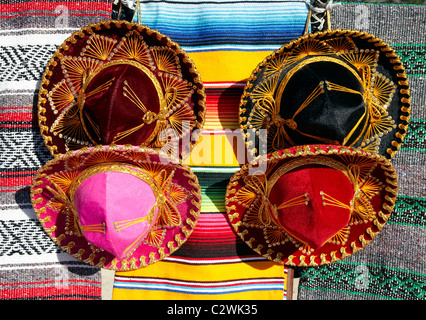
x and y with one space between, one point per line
154 168
362 210
61 96
245 196
68 125
380 123
72 145
383 90
74 68
155 237
311 47
133 155
133 47
98 47
179 117
71 122
362 58
73 161
342 44
278 62
176 90
341 237
63 179
100 155
61 201
168 214
371 187
361 167
266 209
264 92
251 217
177 193
166 60
274 237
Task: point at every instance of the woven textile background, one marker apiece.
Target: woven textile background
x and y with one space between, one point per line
393 266
31 265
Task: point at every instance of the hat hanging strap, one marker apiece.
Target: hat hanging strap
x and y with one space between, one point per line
319 14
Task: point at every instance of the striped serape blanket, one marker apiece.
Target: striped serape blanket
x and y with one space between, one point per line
31 265
226 40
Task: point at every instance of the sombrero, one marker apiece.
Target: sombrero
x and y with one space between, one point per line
116 207
338 87
313 204
117 82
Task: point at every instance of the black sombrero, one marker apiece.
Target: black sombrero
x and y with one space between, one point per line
338 87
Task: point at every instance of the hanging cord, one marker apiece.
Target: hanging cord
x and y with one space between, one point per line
320 13
123 9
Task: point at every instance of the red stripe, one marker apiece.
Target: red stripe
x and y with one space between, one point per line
15 173
58 283
16 126
53 293
54 14
16 181
53 5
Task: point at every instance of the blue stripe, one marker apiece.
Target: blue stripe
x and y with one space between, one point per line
243 26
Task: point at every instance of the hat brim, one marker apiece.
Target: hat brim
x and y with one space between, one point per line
58 222
395 96
272 242
106 46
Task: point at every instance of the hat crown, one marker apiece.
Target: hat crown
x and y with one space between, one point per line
313 204
321 98
116 210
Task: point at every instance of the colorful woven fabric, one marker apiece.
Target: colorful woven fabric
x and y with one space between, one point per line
393 266
214 263
31 265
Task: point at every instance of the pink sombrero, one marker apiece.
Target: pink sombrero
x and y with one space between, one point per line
116 207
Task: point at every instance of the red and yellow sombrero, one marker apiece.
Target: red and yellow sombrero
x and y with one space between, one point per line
312 205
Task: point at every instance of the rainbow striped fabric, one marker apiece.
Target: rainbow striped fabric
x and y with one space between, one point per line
226 40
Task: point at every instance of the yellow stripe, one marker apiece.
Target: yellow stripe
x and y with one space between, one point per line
225 272
227 65
218 150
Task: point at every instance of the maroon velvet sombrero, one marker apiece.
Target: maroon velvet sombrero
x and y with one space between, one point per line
116 207
116 82
312 205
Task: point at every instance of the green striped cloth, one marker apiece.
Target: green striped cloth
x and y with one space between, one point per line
393 266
